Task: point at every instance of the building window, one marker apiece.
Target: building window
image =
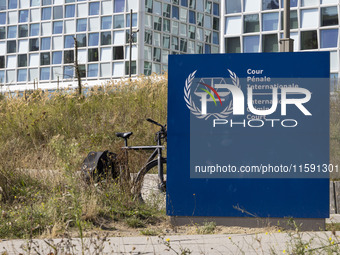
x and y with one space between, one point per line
251 5
215 38
106 22
157 39
56 72
309 18
68 41
22 75
81 40
2 62
216 9
3 5
166 10
92 70
192 32
183 45
309 40
148 37
200 17
58 12
94 39
3 18
147 53
2 33
12 4
118 21
216 23
166 41
94 8
23 16
183 15
157 23
251 44
270 4
81 25
34 29
192 17
184 3
174 43
57 27
105 38
207 49
22 60
269 43
45 73
119 5
309 2
34 44
166 25
183 29
69 11
68 56
329 16
251 23
232 45
56 57
329 38
44 58
147 68
11 46
133 68
45 43
174 27
175 12
46 13
270 21
118 52
46 2
192 4
208 5
12 32
157 8
92 55
157 54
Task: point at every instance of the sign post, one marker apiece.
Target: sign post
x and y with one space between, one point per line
248 138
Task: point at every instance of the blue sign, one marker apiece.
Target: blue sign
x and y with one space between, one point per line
249 131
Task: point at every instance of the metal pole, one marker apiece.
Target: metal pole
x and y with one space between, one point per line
130 40
286 44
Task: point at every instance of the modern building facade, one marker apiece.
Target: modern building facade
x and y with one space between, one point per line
37 38
257 26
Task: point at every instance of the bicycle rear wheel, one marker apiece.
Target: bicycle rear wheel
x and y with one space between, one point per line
140 175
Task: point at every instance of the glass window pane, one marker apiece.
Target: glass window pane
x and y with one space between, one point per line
22 60
329 16
270 4
12 17
93 39
56 57
57 42
46 13
232 45
293 20
44 58
3 33
81 40
33 74
12 4
105 38
3 5
251 23
22 75
34 29
134 20
174 27
82 10
270 21
11 46
12 32
45 73
58 12
329 1
269 43
70 11
233 25
118 69
293 3
157 8
68 41
119 5
183 14
166 25
34 44
105 70
118 52
3 18
334 61
166 41
35 15
252 5
46 2
157 23
106 22
147 68
133 68
118 21
309 2
46 29
11 62
57 27
309 40
94 24
166 10
92 55
23 16
309 18
233 6
251 44
132 4
94 8
118 37
56 72
175 12
10 77
23 46
106 7
105 54
81 25
45 43
207 21
68 56
70 26
92 70
23 31
200 17
329 38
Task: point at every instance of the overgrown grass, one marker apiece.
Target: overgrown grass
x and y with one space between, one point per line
55 132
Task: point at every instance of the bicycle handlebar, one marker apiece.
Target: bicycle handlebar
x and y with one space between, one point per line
154 122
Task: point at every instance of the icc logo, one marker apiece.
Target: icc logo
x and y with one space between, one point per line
219 99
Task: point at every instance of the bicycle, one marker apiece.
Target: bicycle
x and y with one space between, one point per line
151 162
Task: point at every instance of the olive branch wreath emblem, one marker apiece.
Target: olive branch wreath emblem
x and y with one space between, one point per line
195 110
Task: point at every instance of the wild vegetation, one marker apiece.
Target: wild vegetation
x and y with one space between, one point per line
48 135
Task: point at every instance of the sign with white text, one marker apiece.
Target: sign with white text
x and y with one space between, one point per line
249 131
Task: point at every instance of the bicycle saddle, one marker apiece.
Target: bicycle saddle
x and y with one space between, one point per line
124 135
